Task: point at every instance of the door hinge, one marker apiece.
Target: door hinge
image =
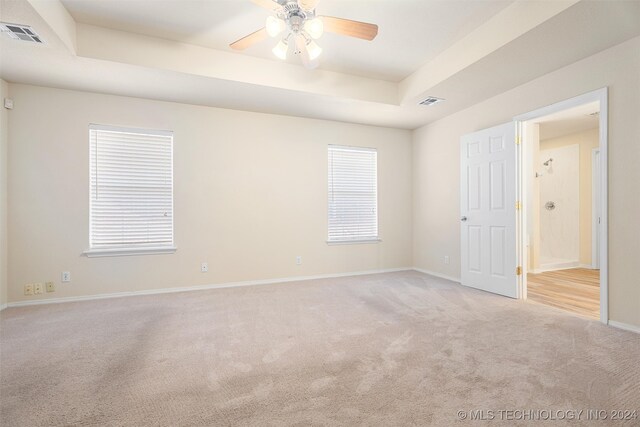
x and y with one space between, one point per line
518 141
518 271
518 205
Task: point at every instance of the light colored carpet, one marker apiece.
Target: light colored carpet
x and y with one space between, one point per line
390 349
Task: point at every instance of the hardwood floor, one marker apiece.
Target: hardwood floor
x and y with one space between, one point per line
576 290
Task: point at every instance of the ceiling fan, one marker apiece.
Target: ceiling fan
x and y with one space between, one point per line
297 22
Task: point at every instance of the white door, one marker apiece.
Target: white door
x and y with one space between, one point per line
488 210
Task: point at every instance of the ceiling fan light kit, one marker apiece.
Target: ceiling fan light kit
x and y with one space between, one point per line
281 49
314 27
298 21
314 50
274 26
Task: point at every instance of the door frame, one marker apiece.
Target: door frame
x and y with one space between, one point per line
601 96
595 208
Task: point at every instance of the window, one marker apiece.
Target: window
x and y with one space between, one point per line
353 194
131 191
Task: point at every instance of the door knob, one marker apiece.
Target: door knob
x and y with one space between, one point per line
464 218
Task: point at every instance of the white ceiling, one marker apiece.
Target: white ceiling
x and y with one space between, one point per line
465 61
411 32
573 120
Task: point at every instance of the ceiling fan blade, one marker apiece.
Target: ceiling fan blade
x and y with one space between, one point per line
347 27
267 4
308 4
250 40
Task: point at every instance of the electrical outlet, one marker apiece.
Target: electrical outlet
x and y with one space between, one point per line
38 288
446 259
298 260
66 276
204 267
51 287
28 289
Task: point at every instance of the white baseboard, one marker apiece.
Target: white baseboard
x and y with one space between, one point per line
613 323
587 266
199 288
566 266
433 273
625 326
558 266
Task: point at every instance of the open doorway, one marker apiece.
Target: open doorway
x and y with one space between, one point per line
563 238
561 272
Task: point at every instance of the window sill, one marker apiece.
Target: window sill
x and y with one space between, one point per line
354 242
94 253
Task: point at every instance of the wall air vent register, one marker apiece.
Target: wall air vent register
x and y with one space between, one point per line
20 32
430 101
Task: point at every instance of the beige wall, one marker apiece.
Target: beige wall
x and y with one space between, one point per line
436 169
251 188
4 138
250 195
587 140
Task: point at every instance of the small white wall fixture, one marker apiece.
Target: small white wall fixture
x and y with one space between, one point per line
524 182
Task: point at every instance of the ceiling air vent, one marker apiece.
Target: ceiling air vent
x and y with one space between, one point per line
20 32
431 101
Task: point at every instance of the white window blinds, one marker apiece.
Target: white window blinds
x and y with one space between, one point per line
131 188
353 194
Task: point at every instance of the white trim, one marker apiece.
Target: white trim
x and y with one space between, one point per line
201 287
595 207
612 323
122 129
601 96
524 171
585 98
564 266
559 266
625 326
433 273
94 253
355 148
354 242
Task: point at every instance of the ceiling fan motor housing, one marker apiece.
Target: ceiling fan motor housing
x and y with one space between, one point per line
295 23
292 8
295 16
